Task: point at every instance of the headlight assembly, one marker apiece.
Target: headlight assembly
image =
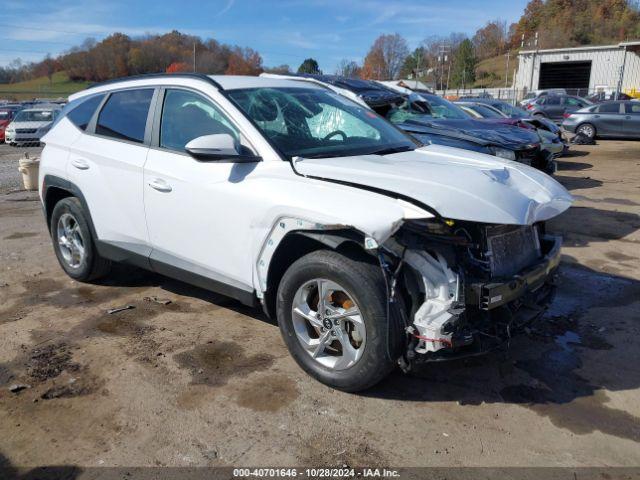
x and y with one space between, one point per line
504 153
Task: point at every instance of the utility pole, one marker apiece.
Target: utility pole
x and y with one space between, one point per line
194 56
506 73
533 61
621 77
442 59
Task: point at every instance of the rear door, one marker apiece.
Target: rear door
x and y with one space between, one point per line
552 107
106 164
608 119
631 119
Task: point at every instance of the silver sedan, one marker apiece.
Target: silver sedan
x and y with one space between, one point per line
610 119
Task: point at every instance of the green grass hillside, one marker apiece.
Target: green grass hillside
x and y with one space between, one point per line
60 86
490 72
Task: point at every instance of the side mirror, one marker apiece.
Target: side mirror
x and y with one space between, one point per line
218 147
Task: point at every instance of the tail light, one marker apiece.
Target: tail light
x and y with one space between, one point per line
566 115
530 106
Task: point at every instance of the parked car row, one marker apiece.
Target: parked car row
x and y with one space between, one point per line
25 123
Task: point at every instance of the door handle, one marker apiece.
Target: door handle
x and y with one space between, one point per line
628 117
160 185
596 116
80 164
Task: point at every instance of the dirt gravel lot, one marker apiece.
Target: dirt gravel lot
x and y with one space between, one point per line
206 381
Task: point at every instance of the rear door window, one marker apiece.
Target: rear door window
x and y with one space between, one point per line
81 114
609 108
573 102
550 100
632 108
124 115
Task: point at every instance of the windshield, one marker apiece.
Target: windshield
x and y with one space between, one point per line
5 115
315 123
420 106
511 111
486 112
34 116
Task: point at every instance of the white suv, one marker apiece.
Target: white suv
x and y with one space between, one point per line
370 249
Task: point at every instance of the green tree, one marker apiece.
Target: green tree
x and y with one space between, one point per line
463 69
309 66
415 65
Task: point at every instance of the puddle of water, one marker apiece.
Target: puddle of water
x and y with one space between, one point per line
214 363
567 339
18 235
268 393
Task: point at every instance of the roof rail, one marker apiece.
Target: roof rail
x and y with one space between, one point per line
200 76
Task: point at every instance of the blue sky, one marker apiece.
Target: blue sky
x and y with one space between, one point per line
286 31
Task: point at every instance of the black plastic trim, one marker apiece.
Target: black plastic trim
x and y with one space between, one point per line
198 76
246 297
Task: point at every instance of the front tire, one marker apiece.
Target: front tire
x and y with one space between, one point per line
332 313
587 130
73 243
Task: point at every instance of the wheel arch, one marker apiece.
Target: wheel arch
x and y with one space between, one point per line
55 189
296 244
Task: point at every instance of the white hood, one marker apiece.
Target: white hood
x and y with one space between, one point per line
458 184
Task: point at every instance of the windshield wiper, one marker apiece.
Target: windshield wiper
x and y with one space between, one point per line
390 150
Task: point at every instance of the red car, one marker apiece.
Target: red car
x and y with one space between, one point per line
7 113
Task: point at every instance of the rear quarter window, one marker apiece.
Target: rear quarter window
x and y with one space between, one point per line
124 115
80 115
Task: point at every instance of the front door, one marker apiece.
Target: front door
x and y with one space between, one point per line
197 212
631 119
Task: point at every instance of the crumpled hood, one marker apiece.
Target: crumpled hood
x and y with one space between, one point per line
504 135
458 184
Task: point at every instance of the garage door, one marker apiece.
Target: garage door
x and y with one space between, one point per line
568 75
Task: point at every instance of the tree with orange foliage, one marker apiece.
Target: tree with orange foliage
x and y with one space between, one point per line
176 67
244 61
385 58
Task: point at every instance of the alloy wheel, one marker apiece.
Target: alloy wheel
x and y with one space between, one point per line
586 130
70 240
328 324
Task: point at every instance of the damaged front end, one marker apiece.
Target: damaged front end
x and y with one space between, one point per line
461 288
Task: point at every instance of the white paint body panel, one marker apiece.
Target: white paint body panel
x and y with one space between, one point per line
458 184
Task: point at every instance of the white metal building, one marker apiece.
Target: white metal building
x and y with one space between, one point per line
606 68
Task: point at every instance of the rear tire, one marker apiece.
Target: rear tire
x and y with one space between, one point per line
73 243
354 353
588 130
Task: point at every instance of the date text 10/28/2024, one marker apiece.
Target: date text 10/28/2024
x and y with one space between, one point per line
315 473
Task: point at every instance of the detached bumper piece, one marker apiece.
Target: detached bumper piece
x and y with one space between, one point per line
496 311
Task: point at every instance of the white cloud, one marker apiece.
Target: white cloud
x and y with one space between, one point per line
226 8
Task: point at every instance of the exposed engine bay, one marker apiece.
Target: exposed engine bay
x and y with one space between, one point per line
464 288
